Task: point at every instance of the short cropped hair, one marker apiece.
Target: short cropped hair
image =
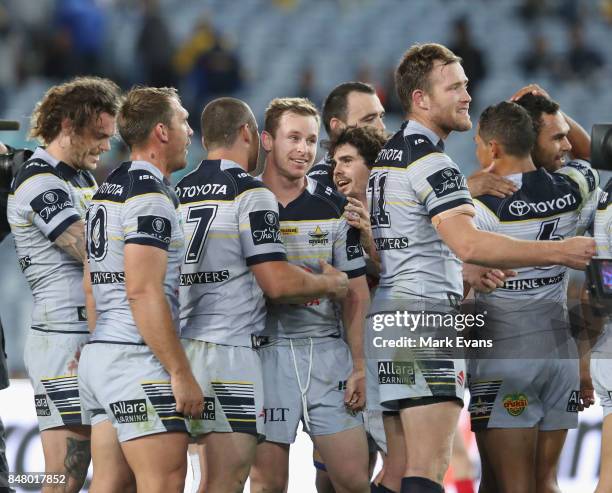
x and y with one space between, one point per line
79 100
279 106
414 69
536 106
142 109
510 125
336 103
367 140
221 121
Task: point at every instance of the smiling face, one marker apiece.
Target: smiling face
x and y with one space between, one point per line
86 147
364 109
552 145
350 172
293 148
447 99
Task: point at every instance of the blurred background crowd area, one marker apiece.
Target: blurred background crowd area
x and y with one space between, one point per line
260 49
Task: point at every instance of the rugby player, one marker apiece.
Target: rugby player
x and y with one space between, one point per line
74 122
234 257
348 104
310 373
527 404
134 377
601 356
422 224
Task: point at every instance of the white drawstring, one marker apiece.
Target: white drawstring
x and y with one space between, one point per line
304 390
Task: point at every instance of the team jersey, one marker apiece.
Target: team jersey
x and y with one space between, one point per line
313 228
134 205
322 172
46 197
412 182
545 207
231 223
603 240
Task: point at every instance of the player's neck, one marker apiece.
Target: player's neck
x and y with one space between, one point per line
154 157
427 123
285 188
239 157
510 165
60 152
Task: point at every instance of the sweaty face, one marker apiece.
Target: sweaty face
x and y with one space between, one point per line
179 133
448 99
294 146
351 172
364 110
86 147
552 146
483 151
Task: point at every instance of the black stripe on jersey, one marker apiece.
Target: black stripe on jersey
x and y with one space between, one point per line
63 226
322 173
401 151
266 257
36 166
352 274
323 204
586 171
449 205
541 195
148 242
50 203
605 197
143 182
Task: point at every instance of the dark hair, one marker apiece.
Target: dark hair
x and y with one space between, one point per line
510 125
142 109
221 121
367 140
279 106
414 69
536 105
79 100
336 103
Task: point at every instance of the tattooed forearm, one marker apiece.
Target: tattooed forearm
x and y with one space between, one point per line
77 459
72 241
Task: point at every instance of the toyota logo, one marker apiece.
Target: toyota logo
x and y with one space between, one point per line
519 208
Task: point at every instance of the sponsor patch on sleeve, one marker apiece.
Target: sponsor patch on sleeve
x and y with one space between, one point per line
265 227
353 246
50 203
158 227
447 181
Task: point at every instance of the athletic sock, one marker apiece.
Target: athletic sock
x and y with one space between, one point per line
464 486
415 484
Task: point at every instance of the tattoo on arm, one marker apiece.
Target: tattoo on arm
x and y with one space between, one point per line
78 456
72 241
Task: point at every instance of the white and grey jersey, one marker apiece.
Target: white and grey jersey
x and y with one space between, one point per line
313 228
603 241
413 181
231 223
47 196
134 205
545 207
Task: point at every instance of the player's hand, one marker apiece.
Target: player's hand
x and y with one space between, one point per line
577 252
587 393
337 281
531 88
485 279
187 394
357 215
354 395
486 183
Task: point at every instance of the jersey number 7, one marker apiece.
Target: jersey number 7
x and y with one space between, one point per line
202 216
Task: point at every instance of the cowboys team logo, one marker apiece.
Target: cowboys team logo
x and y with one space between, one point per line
318 237
50 198
518 208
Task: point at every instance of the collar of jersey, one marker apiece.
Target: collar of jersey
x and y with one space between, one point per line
311 185
145 165
65 171
414 127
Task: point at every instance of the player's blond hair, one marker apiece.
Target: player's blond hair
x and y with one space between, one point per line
279 106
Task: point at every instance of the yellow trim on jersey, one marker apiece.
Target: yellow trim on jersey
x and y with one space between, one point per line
57 378
171 417
223 235
242 420
36 176
70 412
312 220
156 381
409 203
263 188
160 194
487 209
205 202
231 382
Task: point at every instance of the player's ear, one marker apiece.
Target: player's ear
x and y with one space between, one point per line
161 132
335 124
495 148
204 144
266 141
420 99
